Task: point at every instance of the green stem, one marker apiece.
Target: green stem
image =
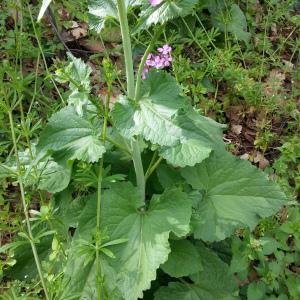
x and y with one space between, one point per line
152 169
153 159
142 65
121 147
204 29
20 181
136 152
98 232
194 38
99 196
126 47
138 166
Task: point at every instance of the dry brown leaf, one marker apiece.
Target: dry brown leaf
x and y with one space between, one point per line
245 156
237 129
79 30
261 160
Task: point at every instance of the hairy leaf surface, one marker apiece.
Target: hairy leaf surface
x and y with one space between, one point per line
74 137
163 117
147 233
214 282
164 12
77 74
235 194
101 10
184 259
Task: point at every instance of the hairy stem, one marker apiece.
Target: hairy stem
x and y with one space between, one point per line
98 232
126 47
138 166
136 152
142 65
195 39
99 196
20 181
152 168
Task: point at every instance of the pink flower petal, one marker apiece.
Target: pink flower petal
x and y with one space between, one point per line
155 2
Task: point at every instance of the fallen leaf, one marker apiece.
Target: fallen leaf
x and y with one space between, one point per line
94 46
261 160
79 31
245 156
237 129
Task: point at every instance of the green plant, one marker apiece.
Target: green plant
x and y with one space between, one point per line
143 186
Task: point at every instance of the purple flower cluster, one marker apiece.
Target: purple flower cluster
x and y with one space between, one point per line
160 61
155 2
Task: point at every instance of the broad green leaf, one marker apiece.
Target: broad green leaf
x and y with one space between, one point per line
53 177
25 268
79 277
77 74
256 290
293 284
190 137
43 9
235 194
147 232
164 12
46 174
184 259
168 176
101 10
214 282
72 137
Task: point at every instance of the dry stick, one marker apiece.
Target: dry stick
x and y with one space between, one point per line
20 181
43 56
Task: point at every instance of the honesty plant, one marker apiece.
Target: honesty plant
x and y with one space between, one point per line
187 192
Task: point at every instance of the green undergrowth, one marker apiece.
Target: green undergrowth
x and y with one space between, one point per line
233 62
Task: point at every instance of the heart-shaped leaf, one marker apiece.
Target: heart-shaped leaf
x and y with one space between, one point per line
72 137
163 117
234 194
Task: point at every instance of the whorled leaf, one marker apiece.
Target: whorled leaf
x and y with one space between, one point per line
163 117
234 195
72 137
167 10
213 282
80 273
